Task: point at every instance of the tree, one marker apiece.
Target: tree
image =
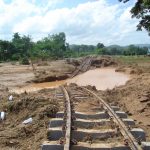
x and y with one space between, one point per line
53 46
134 50
115 51
100 45
22 44
59 44
6 50
141 10
102 51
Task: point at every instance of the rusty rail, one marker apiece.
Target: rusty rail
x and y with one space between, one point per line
68 121
123 129
85 63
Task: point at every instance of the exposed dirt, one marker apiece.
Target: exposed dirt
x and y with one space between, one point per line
13 133
104 61
57 70
15 75
134 98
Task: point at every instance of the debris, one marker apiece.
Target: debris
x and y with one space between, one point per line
27 121
10 98
2 115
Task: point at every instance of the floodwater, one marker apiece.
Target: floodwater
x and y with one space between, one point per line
38 86
102 79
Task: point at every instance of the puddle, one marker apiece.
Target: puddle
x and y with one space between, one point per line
102 79
38 86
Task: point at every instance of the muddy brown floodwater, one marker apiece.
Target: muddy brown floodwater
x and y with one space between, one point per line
102 79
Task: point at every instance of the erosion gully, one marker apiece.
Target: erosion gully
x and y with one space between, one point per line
99 126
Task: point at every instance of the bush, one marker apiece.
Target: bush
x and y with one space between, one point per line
24 61
15 57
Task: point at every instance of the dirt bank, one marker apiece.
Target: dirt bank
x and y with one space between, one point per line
134 97
39 106
15 75
64 69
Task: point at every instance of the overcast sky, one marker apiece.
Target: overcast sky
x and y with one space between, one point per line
83 21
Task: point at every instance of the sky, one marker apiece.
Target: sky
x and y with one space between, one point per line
83 21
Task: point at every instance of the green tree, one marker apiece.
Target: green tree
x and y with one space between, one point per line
100 45
102 51
141 11
52 46
59 44
6 50
134 50
22 44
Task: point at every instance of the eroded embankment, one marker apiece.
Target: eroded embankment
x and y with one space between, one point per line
102 79
58 73
15 134
70 66
134 96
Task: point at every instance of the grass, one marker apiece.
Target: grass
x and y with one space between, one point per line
130 60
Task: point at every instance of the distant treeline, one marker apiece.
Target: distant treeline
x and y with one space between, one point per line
130 50
54 46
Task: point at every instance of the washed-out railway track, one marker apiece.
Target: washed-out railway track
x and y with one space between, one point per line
100 127
86 63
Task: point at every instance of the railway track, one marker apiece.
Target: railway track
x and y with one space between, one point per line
83 67
96 126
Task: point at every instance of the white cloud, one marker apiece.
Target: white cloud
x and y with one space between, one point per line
90 22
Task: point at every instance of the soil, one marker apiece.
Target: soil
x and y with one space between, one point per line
15 75
39 106
133 97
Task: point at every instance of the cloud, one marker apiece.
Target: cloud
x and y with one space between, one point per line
90 22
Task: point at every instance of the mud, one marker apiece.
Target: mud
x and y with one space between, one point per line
133 97
102 79
13 133
15 75
104 61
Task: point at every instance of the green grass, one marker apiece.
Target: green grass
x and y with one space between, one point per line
140 60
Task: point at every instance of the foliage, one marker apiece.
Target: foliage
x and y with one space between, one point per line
141 10
23 49
100 45
6 50
53 46
140 60
24 61
133 50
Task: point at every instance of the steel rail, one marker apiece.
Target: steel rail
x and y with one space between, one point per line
123 129
85 62
68 121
